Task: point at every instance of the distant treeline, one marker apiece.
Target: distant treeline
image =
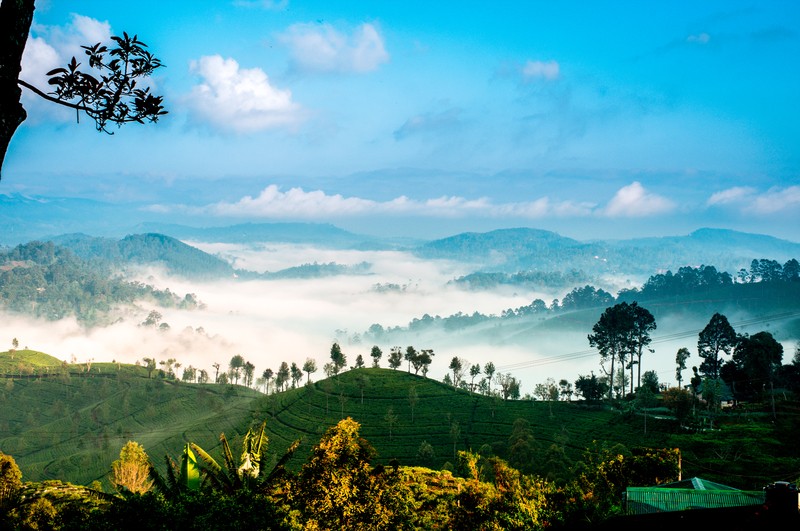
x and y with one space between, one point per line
546 279
766 282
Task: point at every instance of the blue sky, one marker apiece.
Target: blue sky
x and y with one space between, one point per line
592 119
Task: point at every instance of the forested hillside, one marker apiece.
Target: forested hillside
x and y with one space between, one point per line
44 280
149 249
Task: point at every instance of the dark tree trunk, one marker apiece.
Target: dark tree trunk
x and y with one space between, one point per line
15 24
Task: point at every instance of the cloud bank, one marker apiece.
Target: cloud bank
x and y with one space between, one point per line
749 200
273 203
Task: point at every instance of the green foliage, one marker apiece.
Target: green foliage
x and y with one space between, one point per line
337 489
190 472
680 402
622 332
10 481
718 337
338 358
482 420
72 423
755 364
132 470
591 387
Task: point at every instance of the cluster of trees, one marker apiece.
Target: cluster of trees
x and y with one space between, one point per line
337 487
754 365
48 281
622 334
765 270
733 366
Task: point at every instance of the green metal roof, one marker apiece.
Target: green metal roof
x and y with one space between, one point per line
694 493
696 484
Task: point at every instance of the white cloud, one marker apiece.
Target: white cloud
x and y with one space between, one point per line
700 38
776 200
269 5
749 200
297 203
50 47
634 201
240 99
39 58
321 48
731 195
534 70
294 203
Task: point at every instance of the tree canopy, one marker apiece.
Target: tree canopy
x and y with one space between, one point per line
106 89
622 331
717 337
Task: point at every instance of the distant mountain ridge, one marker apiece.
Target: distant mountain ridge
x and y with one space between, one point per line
514 250
507 251
322 234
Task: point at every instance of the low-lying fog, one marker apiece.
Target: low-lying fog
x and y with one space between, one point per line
270 321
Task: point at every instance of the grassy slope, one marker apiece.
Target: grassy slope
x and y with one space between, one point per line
72 426
12 361
308 411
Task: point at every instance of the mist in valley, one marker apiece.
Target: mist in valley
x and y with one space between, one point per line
271 321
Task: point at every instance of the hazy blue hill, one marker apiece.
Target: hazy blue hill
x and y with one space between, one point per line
25 218
149 249
322 234
516 250
504 243
177 256
727 250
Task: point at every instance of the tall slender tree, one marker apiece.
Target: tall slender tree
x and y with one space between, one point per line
409 356
296 374
457 366
474 371
376 354
338 358
310 366
488 370
612 338
717 337
267 375
235 368
248 369
283 376
643 324
680 362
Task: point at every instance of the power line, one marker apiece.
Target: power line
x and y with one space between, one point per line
580 354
